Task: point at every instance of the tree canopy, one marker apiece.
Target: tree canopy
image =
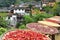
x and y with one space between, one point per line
6 3
56 9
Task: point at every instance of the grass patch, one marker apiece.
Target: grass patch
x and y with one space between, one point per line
3 14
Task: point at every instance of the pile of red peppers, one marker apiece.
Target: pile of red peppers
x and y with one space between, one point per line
24 35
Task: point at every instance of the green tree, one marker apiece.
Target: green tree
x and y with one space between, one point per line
2 30
30 6
17 1
37 0
6 3
41 16
47 8
56 9
28 19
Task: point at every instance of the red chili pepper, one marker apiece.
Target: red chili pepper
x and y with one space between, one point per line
24 35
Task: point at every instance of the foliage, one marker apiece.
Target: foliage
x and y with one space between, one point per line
3 23
41 16
6 3
36 17
36 10
22 26
37 0
58 3
26 0
2 30
56 9
28 19
23 1
30 6
47 8
17 1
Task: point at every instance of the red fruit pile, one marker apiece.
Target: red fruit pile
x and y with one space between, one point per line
24 35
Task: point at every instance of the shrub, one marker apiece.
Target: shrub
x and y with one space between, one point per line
41 16
56 10
28 19
22 26
2 30
36 17
3 23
